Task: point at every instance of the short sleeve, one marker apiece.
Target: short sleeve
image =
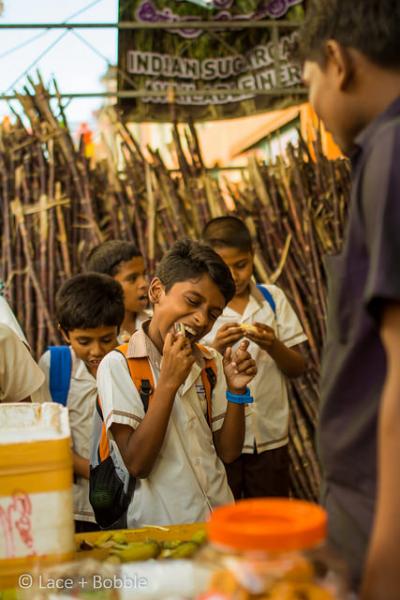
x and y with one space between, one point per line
289 329
20 376
43 393
380 193
44 364
8 318
119 397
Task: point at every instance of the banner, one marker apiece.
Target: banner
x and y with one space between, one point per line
180 68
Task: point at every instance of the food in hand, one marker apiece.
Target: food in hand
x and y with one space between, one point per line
247 328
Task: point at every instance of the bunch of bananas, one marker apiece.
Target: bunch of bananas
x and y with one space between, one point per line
123 550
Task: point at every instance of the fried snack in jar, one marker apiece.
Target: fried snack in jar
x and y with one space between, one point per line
271 549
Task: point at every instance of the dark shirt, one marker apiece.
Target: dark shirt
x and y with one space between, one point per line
360 280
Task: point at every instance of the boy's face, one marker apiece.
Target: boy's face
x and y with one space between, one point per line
196 303
331 94
91 345
131 276
240 263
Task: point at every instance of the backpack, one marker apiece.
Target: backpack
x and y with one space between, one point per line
111 487
60 373
268 297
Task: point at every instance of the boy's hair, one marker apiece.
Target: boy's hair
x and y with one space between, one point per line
227 232
188 259
370 26
90 300
107 256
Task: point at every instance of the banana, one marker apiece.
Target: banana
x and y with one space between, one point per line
137 551
171 544
184 550
103 538
200 537
119 538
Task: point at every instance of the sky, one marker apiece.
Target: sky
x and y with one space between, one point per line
74 65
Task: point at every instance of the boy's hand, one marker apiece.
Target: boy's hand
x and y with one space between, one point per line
177 360
227 335
239 368
262 335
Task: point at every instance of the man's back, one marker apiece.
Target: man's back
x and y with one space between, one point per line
354 366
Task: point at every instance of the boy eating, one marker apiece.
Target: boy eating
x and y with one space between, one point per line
175 447
263 315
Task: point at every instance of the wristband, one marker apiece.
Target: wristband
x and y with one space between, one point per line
245 398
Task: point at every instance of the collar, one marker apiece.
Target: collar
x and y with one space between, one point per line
79 369
257 295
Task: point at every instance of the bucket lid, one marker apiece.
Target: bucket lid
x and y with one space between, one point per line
273 524
24 422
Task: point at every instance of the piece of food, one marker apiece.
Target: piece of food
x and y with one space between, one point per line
180 328
247 328
286 590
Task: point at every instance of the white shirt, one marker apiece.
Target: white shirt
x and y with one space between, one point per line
188 479
81 402
142 317
8 318
267 427
20 376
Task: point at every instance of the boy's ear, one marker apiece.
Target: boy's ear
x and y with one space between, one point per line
156 290
63 333
339 60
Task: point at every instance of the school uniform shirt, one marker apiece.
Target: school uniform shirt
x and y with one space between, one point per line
81 402
141 318
8 318
20 376
187 479
268 422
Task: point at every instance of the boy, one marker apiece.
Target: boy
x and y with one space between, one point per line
20 377
89 311
265 317
171 449
351 55
124 263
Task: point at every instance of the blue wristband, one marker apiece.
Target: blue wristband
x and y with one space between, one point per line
245 398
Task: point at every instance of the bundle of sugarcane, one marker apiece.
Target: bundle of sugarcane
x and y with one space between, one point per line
49 213
56 207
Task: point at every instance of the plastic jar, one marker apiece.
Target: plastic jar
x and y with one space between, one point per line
270 548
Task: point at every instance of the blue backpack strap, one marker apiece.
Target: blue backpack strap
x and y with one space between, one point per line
60 373
268 297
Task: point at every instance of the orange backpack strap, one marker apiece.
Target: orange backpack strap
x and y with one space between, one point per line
141 375
209 375
103 450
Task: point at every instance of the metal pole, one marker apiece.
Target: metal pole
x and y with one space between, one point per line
178 92
159 25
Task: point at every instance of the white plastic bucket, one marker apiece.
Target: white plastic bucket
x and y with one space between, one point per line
36 513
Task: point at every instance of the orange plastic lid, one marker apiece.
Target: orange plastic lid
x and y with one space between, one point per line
268 524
